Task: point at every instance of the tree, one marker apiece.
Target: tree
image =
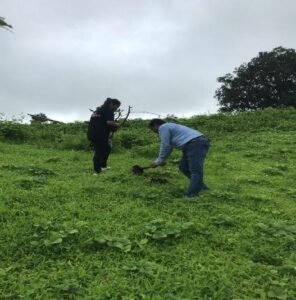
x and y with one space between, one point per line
268 80
4 24
42 118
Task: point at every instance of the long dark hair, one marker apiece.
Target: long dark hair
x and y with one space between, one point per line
107 103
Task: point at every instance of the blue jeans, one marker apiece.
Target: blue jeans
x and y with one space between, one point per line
191 164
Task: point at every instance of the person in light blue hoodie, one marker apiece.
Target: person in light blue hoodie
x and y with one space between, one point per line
194 146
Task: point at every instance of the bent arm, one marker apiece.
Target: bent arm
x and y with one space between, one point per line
165 145
113 124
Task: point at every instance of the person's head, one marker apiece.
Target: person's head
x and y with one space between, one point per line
155 123
111 103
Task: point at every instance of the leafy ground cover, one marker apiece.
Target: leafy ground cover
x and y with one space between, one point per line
66 234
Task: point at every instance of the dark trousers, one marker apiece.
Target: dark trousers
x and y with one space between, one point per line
192 162
102 152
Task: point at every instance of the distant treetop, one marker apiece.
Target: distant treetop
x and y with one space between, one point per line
268 80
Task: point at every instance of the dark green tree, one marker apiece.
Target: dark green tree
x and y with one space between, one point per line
4 24
268 80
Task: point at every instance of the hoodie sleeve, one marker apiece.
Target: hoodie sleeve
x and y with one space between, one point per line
165 145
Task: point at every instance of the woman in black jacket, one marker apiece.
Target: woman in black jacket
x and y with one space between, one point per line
100 126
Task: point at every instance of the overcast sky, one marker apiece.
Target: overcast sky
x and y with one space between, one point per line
161 56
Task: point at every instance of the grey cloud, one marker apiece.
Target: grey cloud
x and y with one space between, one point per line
65 57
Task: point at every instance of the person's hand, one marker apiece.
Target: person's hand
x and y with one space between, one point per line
113 124
155 165
115 127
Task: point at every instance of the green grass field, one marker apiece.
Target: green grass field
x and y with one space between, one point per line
66 234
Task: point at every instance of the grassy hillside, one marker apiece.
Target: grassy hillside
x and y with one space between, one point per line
66 234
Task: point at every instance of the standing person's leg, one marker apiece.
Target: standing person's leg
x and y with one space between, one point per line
106 150
97 157
196 153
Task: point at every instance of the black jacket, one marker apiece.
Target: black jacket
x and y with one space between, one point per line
98 129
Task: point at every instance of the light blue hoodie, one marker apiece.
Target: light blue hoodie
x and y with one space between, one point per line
173 136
